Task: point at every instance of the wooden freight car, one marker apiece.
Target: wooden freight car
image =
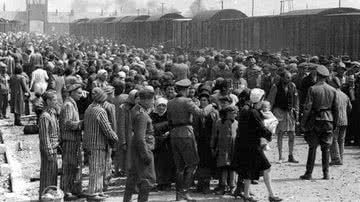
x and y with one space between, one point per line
205 30
318 31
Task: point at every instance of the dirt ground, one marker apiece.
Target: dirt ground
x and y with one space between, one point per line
344 184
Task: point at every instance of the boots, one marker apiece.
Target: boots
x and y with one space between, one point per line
143 195
292 159
128 195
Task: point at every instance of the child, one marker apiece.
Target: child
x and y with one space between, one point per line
270 122
222 145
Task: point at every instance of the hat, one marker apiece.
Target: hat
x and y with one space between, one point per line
101 71
122 74
160 101
99 95
256 95
72 83
204 94
322 70
183 83
108 89
146 94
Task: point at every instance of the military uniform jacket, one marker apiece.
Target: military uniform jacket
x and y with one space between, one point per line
143 141
321 105
180 113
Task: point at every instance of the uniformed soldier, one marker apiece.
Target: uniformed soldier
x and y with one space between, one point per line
180 116
319 121
142 169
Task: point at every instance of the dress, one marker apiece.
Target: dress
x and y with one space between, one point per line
249 159
39 79
164 162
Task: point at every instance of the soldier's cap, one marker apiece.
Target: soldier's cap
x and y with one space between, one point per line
146 93
322 70
183 83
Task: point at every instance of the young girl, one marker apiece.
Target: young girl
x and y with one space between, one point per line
223 148
270 122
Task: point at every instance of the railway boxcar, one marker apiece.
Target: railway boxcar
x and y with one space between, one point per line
319 31
108 28
205 30
134 28
159 29
181 33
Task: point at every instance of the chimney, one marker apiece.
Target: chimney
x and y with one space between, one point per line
115 12
72 12
102 12
57 12
4 7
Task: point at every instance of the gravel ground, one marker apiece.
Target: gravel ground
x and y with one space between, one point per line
343 186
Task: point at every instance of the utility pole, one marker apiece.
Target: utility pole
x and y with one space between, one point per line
222 4
339 3
253 7
162 7
148 11
138 11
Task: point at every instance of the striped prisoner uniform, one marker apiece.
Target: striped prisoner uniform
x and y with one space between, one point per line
49 140
111 113
98 134
70 133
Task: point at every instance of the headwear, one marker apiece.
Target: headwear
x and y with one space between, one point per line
322 70
101 71
131 97
336 82
204 94
122 74
183 83
256 95
146 93
72 83
161 100
99 95
108 89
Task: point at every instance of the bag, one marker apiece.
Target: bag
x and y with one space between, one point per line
31 129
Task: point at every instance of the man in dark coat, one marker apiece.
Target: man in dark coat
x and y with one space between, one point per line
142 169
319 121
180 115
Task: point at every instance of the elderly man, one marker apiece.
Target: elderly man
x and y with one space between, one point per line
180 115
70 137
98 137
319 120
101 80
142 169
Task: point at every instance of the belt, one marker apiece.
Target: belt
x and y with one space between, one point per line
180 125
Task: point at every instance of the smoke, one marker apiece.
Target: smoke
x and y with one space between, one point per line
197 6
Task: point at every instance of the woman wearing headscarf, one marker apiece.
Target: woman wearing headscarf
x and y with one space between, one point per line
49 141
249 159
164 165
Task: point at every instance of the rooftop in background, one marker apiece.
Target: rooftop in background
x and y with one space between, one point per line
322 11
215 15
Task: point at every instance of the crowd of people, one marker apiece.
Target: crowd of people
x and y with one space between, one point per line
163 115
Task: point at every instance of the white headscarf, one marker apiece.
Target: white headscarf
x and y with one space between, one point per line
256 95
160 101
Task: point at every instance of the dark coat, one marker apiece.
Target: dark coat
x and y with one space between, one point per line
249 159
18 88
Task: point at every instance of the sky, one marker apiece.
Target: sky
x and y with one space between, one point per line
262 7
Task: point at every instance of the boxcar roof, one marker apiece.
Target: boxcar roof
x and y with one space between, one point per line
215 15
322 11
165 16
99 20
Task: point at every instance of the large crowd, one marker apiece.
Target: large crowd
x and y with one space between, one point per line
162 115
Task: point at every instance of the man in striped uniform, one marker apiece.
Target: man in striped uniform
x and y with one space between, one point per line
70 137
111 113
98 137
142 170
